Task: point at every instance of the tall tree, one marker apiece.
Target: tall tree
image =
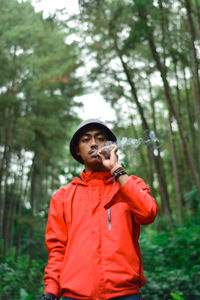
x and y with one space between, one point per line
195 64
38 83
150 37
148 34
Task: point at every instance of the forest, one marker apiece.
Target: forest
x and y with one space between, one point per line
142 56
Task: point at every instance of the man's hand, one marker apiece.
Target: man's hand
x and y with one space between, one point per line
48 296
109 157
111 163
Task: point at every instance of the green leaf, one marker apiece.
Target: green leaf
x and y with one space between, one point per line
29 297
23 294
176 296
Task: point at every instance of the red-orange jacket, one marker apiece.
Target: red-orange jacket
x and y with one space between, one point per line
92 237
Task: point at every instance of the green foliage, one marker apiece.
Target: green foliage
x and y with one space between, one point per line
172 263
175 296
18 281
38 83
192 198
132 42
24 295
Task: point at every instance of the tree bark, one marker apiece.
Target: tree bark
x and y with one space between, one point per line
177 85
195 67
172 108
157 143
197 14
161 178
163 29
14 195
5 220
175 171
144 161
2 202
23 193
32 203
10 211
3 195
190 112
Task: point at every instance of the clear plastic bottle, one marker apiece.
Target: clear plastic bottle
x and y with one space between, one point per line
106 151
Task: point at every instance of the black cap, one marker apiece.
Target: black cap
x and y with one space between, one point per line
89 125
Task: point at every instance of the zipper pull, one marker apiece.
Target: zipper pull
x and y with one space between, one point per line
109 218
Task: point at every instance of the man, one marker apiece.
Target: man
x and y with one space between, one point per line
94 224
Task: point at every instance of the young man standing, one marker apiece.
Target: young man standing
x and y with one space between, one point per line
94 224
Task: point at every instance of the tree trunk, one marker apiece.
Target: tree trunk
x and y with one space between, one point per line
18 240
14 195
172 108
197 14
2 200
32 203
5 209
163 29
23 193
3 196
7 221
144 161
177 85
10 211
175 171
161 178
190 115
195 68
157 143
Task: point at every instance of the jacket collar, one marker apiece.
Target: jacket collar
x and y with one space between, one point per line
88 176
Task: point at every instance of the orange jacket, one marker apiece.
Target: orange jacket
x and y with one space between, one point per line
92 237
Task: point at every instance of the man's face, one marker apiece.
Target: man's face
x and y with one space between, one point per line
88 142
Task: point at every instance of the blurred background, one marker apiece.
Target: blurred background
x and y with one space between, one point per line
131 63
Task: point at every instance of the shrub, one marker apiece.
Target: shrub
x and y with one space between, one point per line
172 263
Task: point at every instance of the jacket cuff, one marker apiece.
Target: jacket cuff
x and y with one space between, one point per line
52 288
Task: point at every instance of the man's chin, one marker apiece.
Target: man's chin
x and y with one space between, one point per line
96 159
95 165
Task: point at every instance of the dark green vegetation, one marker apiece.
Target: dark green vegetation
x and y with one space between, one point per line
172 262
145 58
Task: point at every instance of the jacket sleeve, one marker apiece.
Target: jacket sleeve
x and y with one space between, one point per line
137 195
56 241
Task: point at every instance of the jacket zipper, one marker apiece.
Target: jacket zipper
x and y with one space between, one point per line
109 218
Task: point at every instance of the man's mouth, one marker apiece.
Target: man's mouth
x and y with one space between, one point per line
93 152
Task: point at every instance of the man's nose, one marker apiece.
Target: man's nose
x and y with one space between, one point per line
93 142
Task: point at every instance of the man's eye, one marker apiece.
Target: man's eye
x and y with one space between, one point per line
101 139
85 140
